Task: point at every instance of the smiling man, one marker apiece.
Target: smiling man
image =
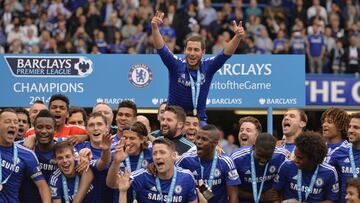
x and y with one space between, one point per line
215 170
191 127
171 127
190 78
170 183
59 108
17 162
65 183
250 128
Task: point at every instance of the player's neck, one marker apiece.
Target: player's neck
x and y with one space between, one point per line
60 127
290 139
4 143
356 145
71 175
167 175
95 145
334 140
46 147
209 156
310 167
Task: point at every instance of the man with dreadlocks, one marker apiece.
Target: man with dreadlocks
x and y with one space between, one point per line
334 122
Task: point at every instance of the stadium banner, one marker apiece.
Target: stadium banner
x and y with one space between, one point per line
244 81
332 90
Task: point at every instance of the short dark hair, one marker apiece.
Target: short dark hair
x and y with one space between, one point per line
354 182
96 114
195 38
21 110
313 145
39 101
266 141
355 115
45 113
213 130
191 114
178 111
166 142
128 104
139 128
60 97
303 116
339 117
61 146
252 120
77 109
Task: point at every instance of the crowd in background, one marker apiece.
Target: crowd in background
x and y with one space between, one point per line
326 31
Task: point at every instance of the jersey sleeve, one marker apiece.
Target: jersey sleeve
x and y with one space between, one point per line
332 189
32 167
232 176
280 178
216 62
170 60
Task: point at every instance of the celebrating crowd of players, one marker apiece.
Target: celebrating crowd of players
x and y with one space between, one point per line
54 161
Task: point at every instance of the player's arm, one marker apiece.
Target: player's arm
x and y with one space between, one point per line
105 157
56 201
84 186
155 24
77 139
231 46
112 176
232 191
245 195
44 190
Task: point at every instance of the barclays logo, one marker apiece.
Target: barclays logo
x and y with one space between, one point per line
49 66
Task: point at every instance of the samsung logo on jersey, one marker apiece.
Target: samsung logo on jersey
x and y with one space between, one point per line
49 66
315 191
346 169
244 69
164 198
10 166
260 179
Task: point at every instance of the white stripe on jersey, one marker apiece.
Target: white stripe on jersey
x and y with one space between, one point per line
240 153
55 177
228 161
138 172
328 166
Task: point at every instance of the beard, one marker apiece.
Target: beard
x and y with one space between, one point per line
171 133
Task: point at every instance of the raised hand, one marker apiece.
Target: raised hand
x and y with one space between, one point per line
124 181
106 142
119 154
238 29
157 20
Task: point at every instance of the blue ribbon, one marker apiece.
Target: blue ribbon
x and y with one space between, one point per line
138 166
256 195
195 89
352 162
65 187
171 189
212 171
311 186
15 158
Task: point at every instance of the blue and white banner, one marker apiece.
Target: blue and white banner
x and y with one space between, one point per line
245 81
331 90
